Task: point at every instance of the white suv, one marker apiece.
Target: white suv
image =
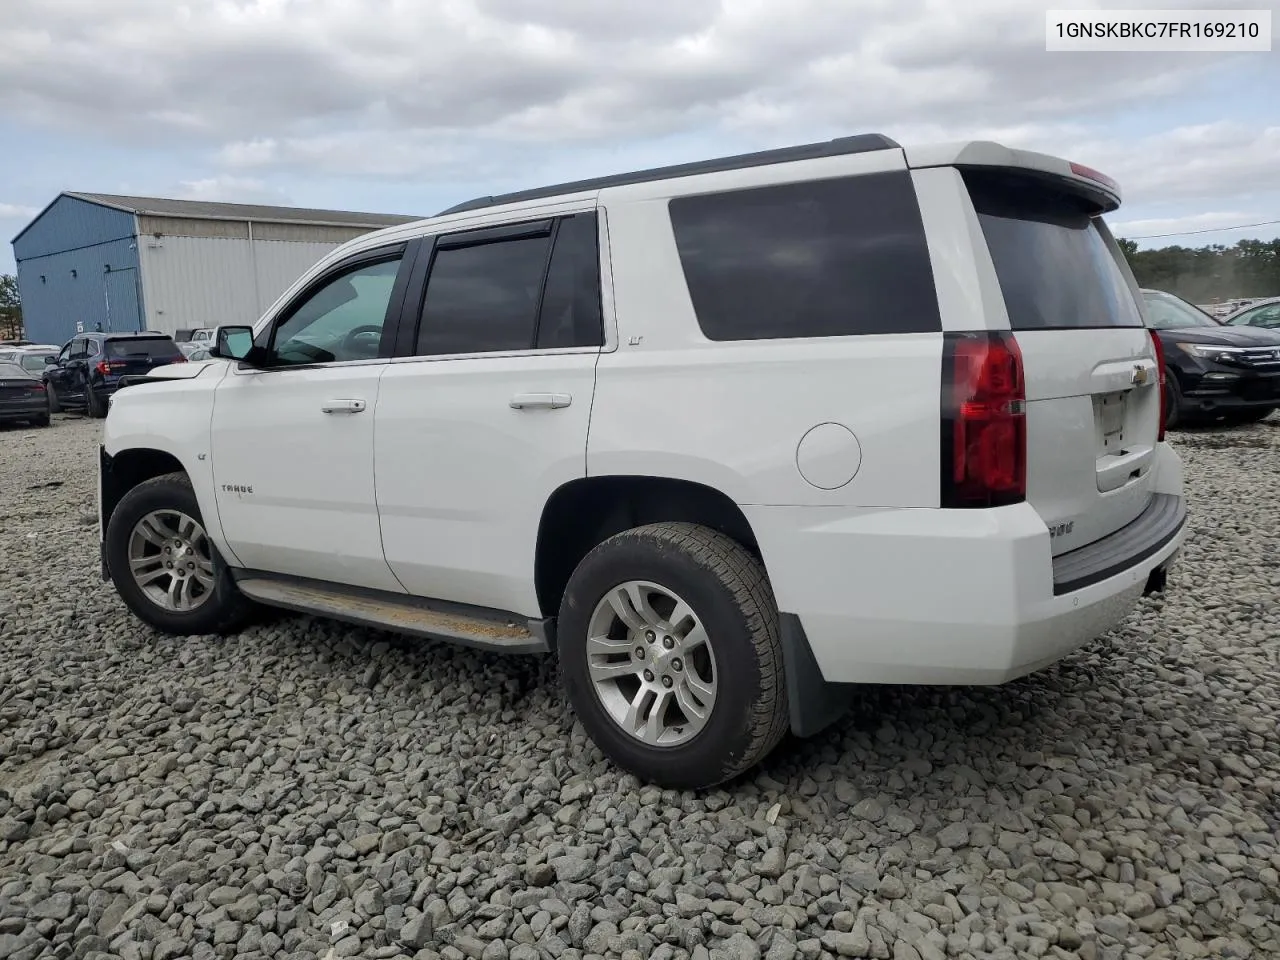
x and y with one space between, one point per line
725 438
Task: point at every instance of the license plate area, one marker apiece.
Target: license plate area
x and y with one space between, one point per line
1110 417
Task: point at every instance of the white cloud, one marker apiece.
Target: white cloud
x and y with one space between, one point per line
408 87
236 98
17 211
1192 163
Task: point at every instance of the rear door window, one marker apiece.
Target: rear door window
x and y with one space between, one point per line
527 287
1055 269
155 348
820 258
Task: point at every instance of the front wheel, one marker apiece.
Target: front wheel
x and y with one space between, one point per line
164 566
671 655
1172 402
96 405
52 394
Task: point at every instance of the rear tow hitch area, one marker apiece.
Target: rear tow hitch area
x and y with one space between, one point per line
1156 581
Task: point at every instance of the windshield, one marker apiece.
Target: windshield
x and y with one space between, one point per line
157 348
1167 312
34 361
1267 315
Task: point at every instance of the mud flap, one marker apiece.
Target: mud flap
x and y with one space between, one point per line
815 702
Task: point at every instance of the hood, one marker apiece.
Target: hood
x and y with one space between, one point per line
1224 336
182 371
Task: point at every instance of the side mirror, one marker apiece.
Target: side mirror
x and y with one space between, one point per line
233 343
50 361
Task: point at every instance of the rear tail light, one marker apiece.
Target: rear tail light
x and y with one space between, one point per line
984 421
107 367
1158 347
38 387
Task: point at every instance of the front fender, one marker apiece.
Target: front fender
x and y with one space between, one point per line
156 423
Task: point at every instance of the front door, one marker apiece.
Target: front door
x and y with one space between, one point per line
292 438
58 375
486 414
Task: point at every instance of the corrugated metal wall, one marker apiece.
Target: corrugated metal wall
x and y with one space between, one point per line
193 282
63 293
71 224
63 260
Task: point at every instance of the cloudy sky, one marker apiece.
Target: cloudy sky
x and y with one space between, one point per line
405 106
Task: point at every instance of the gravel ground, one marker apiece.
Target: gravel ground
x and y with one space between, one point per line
312 790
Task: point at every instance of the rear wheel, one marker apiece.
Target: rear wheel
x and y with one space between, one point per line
164 566
671 655
96 405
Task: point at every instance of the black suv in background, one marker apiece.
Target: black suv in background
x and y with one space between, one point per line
1213 370
88 369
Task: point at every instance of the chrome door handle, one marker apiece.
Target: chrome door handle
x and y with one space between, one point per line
540 401
343 406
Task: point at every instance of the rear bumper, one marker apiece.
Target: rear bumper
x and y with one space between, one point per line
24 409
956 596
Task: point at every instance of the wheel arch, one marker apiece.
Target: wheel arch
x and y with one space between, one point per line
122 471
588 510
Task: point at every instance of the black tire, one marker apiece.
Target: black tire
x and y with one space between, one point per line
727 589
95 405
226 609
52 395
1172 402
41 421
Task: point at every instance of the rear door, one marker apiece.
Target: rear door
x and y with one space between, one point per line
484 414
1092 382
75 377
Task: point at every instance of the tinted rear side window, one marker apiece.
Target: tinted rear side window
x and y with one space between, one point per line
822 258
570 314
1054 267
154 347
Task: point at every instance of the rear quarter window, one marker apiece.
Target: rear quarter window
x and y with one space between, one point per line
1055 268
820 258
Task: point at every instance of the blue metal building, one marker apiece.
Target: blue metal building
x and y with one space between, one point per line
95 261
78 270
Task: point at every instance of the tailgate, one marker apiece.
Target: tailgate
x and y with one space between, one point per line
140 355
1092 382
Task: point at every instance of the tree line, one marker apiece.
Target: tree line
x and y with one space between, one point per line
10 308
1207 274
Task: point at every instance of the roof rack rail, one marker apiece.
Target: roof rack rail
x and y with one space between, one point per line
858 143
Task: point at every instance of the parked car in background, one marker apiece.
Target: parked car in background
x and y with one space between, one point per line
35 359
87 371
1261 313
22 395
1213 369
10 351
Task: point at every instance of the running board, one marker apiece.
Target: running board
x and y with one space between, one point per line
467 626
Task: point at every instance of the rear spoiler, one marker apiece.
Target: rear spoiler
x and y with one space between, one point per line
1084 181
